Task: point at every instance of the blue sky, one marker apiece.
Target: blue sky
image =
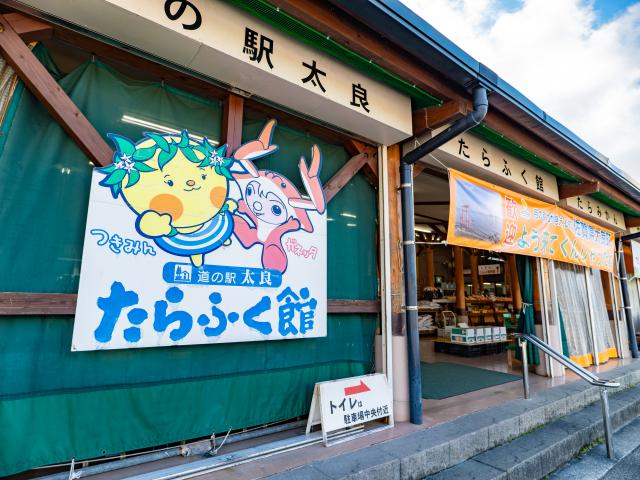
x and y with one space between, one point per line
605 9
578 60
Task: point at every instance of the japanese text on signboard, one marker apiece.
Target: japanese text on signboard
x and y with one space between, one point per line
187 245
486 216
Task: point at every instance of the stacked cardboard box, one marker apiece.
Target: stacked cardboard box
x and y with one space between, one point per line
463 335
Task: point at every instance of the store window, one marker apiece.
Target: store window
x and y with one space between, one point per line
583 308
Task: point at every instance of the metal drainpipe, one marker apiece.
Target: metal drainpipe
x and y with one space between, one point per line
631 331
480 106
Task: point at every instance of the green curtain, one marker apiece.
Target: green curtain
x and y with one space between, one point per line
563 335
55 404
526 322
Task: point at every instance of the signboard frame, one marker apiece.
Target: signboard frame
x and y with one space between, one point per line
361 388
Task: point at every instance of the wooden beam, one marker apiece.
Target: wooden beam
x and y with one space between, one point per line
370 170
232 112
631 222
344 175
473 267
430 277
29 304
440 220
420 167
430 118
354 147
566 190
29 28
353 306
364 41
516 295
37 303
56 101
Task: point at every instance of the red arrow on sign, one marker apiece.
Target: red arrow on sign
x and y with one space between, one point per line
361 388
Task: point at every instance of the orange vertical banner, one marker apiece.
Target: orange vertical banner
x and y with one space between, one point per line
485 216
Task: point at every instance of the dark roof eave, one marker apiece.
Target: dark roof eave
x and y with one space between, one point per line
454 63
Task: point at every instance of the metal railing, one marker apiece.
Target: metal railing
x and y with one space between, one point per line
586 375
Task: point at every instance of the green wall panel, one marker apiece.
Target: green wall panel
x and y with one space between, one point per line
55 404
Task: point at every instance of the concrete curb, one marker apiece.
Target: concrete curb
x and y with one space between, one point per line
540 452
432 450
595 465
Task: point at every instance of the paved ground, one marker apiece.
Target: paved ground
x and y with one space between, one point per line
626 469
594 465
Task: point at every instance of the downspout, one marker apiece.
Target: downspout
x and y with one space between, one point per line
626 303
480 107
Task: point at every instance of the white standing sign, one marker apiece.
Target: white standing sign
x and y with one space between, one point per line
350 402
186 245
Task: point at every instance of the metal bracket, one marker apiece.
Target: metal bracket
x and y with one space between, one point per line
72 470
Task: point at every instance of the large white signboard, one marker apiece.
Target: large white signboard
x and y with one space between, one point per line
223 42
585 205
186 245
468 149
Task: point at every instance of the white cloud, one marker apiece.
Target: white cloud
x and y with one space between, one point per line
584 74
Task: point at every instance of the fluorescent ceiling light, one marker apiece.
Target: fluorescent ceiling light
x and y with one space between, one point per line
352 224
423 228
161 128
348 215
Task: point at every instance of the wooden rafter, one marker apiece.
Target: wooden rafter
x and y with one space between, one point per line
434 117
26 304
631 222
427 217
421 167
50 94
344 175
370 169
28 28
566 190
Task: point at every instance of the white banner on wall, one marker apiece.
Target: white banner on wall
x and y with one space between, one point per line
185 245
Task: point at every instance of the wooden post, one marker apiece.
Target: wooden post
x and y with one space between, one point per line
395 240
232 112
430 280
608 297
42 85
516 294
473 266
537 294
458 260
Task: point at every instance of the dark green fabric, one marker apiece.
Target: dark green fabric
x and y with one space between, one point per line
563 335
113 420
443 380
55 404
526 322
